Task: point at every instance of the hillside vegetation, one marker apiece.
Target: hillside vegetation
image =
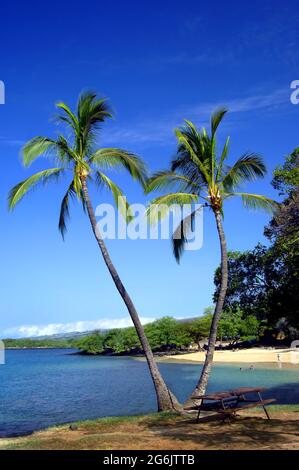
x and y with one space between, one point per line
164 334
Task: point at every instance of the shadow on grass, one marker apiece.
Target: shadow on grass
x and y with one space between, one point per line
171 431
242 433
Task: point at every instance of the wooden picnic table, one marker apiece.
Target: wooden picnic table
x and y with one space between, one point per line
229 402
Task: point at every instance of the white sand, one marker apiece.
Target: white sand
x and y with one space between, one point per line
249 356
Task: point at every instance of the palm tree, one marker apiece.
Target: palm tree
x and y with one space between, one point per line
77 154
198 174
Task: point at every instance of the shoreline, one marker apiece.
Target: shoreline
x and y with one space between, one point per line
246 356
250 356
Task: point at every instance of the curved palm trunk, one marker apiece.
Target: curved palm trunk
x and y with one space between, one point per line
165 399
205 373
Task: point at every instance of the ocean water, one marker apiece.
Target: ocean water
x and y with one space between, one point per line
44 387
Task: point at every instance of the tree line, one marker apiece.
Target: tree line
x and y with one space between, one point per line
264 282
168 334
164 334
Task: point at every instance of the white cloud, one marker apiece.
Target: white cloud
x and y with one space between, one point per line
11 142
27 331
161 130
249 103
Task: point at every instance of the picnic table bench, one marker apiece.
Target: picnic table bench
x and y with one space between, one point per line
228 403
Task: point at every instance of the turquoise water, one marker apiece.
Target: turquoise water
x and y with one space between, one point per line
40 388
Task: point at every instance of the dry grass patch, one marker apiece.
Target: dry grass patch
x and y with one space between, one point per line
170 432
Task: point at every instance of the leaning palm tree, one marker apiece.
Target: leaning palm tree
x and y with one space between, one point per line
77 154
198 174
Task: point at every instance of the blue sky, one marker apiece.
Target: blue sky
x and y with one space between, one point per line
158 64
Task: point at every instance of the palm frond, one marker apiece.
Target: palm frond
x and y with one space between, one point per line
180 235
77 184
92 110
182 164
256 201
35 148
216 119
70 118
23 188
64 209
191 142
224 153
160 206
110 158
64 151
247 168
167 179
118 196
213 160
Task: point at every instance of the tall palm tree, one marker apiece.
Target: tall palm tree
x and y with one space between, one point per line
77 154
197 173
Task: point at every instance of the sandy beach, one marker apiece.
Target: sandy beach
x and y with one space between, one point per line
248 356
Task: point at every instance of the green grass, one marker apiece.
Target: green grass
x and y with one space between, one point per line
96 430
114 420
286 408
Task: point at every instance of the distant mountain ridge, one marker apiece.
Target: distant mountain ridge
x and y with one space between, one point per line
63 336
78 334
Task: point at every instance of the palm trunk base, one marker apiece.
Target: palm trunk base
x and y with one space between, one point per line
201 387
168 402
192 401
